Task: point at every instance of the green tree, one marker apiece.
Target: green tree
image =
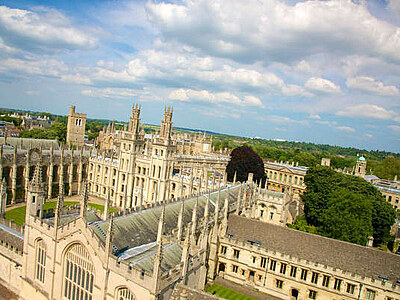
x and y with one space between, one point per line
348 217
346 207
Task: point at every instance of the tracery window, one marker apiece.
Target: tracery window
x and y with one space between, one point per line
78 275
40 261
125 294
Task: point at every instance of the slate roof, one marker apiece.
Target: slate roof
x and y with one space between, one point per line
346 256
12 237
139 228
25 142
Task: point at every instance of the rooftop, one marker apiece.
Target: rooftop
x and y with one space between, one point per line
345 256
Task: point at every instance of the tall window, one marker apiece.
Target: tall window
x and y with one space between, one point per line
78 280
236 253
337 285
293 271
263 262
272 265
370 295
40 260
325 281
283 268
124 294
303 274
314 277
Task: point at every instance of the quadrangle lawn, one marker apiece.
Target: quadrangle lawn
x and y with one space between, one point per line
226 293
18 214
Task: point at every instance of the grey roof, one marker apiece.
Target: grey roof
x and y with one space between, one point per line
387 189
370 177
25 142
346 256
172 254
139 228
12 237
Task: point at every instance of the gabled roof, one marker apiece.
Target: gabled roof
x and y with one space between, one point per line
345 256
139 228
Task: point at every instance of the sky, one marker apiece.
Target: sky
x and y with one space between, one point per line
324 72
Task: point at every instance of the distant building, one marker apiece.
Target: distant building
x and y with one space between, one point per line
390 189
282 175
290 264
8 129
326 162
76 128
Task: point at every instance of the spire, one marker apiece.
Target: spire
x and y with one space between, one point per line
84 200
159 255
160 231
3 198
109 236
226 211
107 205
180 221
216 214
36 182
204 239
194 220
238 201
185 256
57 215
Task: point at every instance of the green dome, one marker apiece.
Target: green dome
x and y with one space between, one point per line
361 158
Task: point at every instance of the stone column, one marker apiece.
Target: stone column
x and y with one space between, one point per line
71 173
14 177
26 175
61 173
50 174
1 161
80 170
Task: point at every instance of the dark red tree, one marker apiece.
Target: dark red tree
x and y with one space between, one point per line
244 161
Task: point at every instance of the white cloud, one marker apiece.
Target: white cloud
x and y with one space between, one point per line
215 98
295 90
323 86
368 135
32 92
21 67
76 78
367 111
41 30
328 123
317 117
394 128
370 85
121 93
281 120
345 128
274 31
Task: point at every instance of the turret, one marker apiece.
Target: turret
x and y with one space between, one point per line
35 199
134 120
166 124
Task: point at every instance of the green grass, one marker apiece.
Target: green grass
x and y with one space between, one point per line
18 214
226 293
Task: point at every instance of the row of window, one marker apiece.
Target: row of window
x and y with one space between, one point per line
284 177
294 271
11 247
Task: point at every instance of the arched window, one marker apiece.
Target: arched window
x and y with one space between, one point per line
125 294
78 275
40 261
